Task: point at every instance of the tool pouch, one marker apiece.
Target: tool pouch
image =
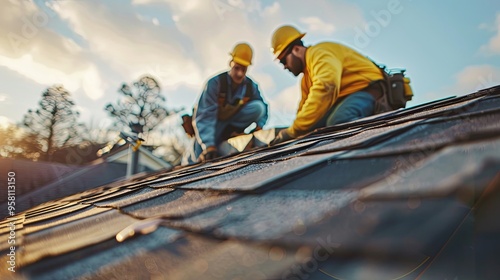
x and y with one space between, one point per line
187 124
227 111
396 88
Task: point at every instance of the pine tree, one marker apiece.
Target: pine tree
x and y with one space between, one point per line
55 122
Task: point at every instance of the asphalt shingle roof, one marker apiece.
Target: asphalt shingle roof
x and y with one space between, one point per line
409 194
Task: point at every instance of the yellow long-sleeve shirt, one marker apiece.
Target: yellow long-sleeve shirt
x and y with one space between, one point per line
331 71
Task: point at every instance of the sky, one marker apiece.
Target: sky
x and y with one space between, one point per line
91 47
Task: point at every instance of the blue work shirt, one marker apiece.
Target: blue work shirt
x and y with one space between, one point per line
205 113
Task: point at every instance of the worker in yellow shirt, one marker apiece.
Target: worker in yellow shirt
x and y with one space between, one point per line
339 84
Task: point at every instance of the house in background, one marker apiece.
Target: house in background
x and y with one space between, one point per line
147 160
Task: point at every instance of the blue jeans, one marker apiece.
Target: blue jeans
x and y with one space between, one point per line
352 107
248 114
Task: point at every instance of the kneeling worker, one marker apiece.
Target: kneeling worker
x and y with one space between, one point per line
229 103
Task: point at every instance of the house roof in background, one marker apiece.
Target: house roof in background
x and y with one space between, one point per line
34 174
39 182
411 193
82 179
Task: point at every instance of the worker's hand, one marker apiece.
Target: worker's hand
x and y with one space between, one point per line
281 137
209 153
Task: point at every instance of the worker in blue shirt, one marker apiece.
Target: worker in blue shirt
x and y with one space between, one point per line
229 103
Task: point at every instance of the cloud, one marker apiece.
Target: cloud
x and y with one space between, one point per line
315 24
132 46
470 79
271 10
341 15
27 66
34 51
184 6
476 77
43 74
144 2
493 46
91 82
3 97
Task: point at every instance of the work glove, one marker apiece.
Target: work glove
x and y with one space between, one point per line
281 137
209 153
257 128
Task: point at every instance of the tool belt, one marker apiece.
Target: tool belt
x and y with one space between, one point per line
392 92
226 110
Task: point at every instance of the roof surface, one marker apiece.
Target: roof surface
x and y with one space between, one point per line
409 194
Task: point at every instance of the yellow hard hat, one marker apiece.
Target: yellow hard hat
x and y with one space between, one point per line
282 37
242 54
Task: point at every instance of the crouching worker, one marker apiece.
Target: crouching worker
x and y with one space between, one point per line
229 103
338 85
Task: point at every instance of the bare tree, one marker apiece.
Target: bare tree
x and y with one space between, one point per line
98 132
142 107
55 122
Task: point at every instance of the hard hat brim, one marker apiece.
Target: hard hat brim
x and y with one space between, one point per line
278 52
241 61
